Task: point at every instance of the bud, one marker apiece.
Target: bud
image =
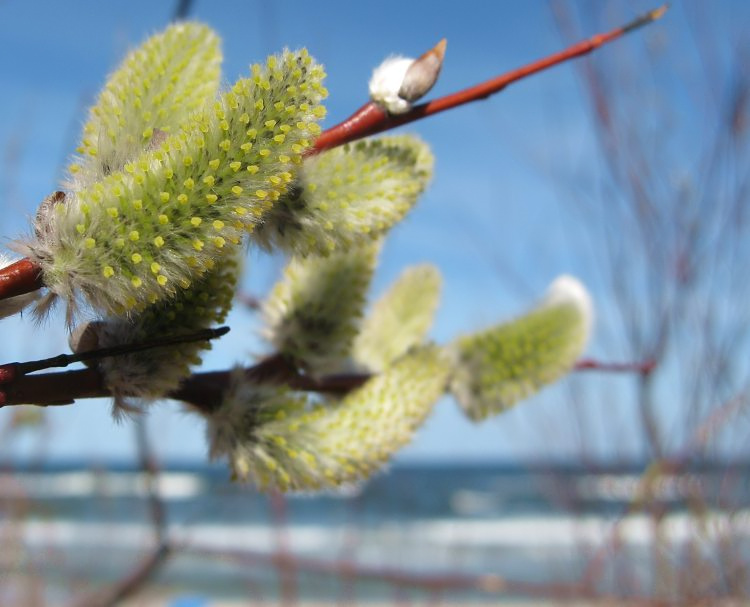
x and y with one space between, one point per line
399 81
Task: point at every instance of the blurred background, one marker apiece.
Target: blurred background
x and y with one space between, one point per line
628 169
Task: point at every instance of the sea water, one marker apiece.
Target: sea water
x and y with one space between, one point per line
465 533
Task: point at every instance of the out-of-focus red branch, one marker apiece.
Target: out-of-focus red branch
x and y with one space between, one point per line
24 276
641 368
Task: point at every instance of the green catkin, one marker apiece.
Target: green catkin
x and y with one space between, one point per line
154 373
348 195
156 88
285 441
494 369
186 203
399 320
312 314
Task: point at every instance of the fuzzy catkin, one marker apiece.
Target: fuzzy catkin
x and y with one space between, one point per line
348 195
286 441
154 373
496 368
399 320
157 87
141 234
312 315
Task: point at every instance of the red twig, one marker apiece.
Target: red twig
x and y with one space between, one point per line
371 119
24 276
641 368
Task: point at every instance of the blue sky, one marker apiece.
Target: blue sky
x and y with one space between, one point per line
493 220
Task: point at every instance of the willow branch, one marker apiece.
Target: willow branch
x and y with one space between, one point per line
205 391
371 119
24 276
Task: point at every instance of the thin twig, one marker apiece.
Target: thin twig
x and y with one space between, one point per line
10 370
371 119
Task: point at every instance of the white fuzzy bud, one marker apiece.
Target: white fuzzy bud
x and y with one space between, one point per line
399 81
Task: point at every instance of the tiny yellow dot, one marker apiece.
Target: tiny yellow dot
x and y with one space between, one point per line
279 138
225 145
284 158
211 198
90 243
112 212
270 124
252 169
159 241
209 180
134 235
161 279
246 147
185 283
219 242
261 194
239 211
218 224
164 196
245 118
236 190
74 168
265 152
108 271
235 166
187 161
214 164
137 282
196 221
136 257
252 133
155 267
163 219
188 183
168 173
182 198
138 204
80 228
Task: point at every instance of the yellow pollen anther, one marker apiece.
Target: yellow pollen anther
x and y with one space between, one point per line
237 190
196 221
134 235
136 257
211 198
108 271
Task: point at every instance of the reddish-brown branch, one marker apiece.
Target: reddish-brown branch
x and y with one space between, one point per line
24 276
205 390
371 119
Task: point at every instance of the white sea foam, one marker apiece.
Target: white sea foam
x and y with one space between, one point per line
444 534
170 485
